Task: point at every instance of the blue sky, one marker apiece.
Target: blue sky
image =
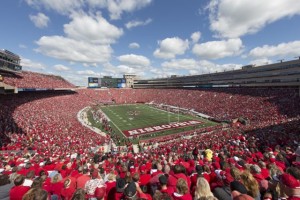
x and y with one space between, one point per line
150 38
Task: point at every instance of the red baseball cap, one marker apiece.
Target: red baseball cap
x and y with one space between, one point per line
290 181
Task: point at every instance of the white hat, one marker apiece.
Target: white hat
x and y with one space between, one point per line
22 164
236 158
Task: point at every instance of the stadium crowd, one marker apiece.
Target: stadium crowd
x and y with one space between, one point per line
28 79
47 153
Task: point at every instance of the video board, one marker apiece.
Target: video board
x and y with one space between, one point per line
106 82
113 82
94 82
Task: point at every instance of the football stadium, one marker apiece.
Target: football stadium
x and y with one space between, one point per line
247 118
227 134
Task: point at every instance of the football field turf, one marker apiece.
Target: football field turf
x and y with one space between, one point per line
147 121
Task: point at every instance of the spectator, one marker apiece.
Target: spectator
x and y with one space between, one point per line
163 180
29 178
161 196
5 186
130 191
81 180
290 186
18 191
239 191
36 193
79 194
182 190
67 190
95 182
111 186
251 184
202 189
56 186
120 186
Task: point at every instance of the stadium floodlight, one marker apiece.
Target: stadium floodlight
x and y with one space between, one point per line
298 57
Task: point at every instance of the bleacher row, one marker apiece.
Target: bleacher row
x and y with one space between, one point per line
46 153
28 79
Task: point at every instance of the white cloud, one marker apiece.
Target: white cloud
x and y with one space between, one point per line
134 45
120 70
135 61
170 47
136 23
218 49
61 68
89 73
114 7
159 73
195 37
234 18
124 69
28 64
181 64
117 7
73 50
40 20
261 61
289 49
93 29
194 67
76 79
87 40
62 7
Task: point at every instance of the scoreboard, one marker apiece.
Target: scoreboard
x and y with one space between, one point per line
94 82
121 83
106 82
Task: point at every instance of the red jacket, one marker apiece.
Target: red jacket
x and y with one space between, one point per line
17 192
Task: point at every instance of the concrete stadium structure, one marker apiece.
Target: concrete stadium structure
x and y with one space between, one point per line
272 75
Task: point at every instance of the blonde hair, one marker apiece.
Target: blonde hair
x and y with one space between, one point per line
181 186
235 173
202 188
250 183
111 176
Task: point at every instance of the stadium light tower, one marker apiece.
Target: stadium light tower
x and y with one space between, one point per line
281 60
298 57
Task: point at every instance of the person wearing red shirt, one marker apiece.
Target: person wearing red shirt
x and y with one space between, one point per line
110 186
68 190
290 186
256 172
81 180
163 180
18 191
144 177
56 185
182 191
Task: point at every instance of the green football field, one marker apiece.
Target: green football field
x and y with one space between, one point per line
146 121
